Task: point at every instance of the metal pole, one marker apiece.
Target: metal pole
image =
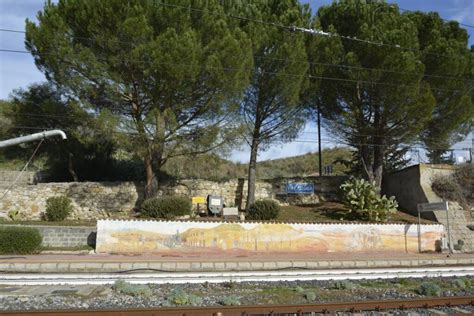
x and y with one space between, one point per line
449 230
320 155
32 137
419 231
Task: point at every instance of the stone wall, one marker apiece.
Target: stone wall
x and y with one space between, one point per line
7 177
99 200
66 236
412 185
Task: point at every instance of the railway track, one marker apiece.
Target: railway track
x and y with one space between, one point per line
141 277
381 305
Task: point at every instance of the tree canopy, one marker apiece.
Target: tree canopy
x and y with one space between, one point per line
270 107
87 152
171 75
378 98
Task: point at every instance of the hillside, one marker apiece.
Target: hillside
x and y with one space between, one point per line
207 166
213 167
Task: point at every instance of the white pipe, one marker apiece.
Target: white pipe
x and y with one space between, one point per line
32 137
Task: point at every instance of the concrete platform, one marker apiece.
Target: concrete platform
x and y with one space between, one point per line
117 263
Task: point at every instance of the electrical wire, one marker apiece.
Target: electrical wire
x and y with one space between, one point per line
272 58
447 20
328 140
22 170
275 73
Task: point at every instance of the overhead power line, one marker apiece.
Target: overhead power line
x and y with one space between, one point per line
273 73
294 28
291 28
328 140
447 20
286 59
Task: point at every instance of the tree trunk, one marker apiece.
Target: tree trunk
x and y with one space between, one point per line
151 183
377 168
252 177
71 170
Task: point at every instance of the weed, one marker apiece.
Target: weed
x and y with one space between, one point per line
462 283
429 289
231 301
299 289
310 296
344 285
180 297
124 287
229 284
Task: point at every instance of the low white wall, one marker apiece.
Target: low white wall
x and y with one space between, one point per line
201 237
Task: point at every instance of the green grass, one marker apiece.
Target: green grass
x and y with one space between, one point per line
320 212
332 212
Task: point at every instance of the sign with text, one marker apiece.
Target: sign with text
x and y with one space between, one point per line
300 188
199 199
430 207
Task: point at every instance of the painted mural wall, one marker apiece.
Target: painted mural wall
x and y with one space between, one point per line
175 237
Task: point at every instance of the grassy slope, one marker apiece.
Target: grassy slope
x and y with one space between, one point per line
212 167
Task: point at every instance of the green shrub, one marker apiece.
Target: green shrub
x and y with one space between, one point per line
263 210
19 240
429 289
58 208
459 284
167 207
124 287
344 285
180 297
365 203
229 284
231 300
310 296
14 215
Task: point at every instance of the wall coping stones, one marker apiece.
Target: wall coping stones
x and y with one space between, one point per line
220 265
230 221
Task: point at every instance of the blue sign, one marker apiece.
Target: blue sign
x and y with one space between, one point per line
301 188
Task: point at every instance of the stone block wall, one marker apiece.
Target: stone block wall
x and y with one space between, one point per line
412 185
100 200
7 177
66 236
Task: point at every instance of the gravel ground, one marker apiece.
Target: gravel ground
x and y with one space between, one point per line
207 294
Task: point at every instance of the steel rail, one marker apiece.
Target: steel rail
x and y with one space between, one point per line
261 309
140 277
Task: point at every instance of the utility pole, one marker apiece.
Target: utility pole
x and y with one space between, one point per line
320 155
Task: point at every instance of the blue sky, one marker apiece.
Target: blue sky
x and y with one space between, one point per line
19 70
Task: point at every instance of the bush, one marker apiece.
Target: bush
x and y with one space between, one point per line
231 300
429 289
180 297
167 207
462 283
344 285
263 210
58 208
124 287
365 203
19 240
310 296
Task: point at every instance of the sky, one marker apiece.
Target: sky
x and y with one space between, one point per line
18 70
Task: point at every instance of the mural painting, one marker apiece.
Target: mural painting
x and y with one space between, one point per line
247 238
